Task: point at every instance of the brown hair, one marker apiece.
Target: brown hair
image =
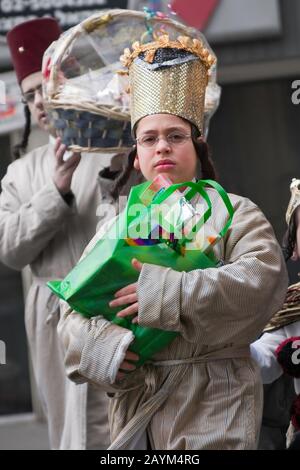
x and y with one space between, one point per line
20 148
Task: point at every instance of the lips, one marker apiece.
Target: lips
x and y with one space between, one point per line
165 163
42 117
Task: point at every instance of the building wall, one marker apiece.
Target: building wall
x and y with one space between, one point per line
255 143
15 393
284 47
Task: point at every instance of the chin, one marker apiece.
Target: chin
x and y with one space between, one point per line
44 126
167 174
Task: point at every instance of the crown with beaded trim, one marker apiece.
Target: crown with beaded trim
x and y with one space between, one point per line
168 76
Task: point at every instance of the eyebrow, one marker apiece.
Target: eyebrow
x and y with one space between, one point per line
32 89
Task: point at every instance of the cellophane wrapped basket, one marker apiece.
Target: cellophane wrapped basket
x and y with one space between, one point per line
86 96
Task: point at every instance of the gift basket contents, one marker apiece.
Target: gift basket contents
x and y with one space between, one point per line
167 217
85 86
164 224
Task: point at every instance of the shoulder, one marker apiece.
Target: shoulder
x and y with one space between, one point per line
293 329
238 202
36 154
250 232
95 161
30 160
245 212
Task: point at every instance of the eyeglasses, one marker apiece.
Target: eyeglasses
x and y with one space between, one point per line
29 96
174 138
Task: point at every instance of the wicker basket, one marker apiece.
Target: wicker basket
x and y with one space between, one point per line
86 98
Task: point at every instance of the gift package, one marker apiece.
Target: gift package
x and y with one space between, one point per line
160 225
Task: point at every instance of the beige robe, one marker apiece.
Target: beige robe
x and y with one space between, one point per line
39 229
203 391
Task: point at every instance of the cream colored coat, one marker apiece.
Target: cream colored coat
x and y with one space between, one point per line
39 229
203 391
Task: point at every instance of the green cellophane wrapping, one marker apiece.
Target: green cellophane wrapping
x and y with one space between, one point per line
91 284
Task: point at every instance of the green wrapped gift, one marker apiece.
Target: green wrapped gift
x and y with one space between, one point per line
92 283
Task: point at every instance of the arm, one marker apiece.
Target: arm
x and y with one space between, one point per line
263 352
27 227
95 349
223 305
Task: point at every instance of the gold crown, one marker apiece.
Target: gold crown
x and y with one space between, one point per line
173 87
194 46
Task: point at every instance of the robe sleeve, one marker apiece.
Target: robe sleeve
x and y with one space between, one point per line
94 348
263 352
27 227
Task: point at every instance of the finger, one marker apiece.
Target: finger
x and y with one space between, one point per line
136 264
57 144
131 356
120 375
124 300
71 162
135 320
60 153
126 312
127 366
129 289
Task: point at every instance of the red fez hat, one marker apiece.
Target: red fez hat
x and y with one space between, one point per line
27 43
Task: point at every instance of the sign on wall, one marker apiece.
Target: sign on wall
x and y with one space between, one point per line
11 107
68 12
231 20
244 20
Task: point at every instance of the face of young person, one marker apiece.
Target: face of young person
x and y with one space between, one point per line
31 88
164 146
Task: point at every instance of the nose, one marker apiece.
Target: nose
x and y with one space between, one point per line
162 146
38 98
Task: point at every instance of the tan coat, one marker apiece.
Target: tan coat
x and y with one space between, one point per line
203 391
38 228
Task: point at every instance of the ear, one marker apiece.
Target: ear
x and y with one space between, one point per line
136 163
